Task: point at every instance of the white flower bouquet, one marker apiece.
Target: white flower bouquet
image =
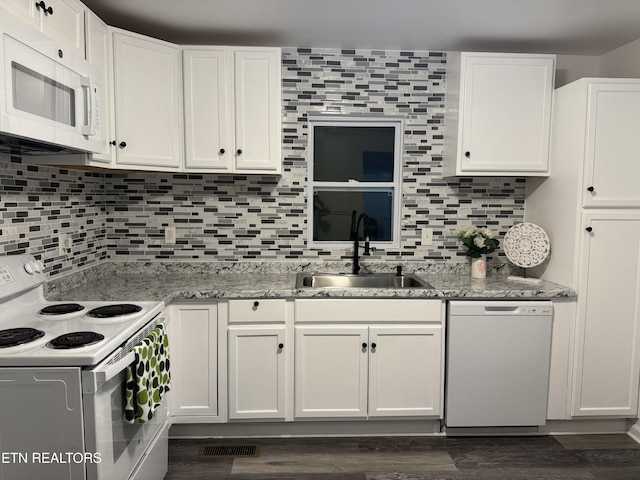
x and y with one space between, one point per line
479 241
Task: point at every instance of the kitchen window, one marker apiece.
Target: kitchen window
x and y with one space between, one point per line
354 166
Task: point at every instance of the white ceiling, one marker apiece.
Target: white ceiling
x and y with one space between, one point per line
581 27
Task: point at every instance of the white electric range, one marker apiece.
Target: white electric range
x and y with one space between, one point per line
62 380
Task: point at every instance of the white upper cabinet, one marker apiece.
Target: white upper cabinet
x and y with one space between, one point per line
498 114
98 40
233 113
258 109
61 20
611 142
148 103
208 114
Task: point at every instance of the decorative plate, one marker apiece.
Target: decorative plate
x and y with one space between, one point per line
526 245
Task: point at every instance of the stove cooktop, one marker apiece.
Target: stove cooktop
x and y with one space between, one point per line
38 332
60 337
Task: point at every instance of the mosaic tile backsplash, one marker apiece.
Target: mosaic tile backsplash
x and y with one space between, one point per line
122 217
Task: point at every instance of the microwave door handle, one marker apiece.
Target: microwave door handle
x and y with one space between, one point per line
87 128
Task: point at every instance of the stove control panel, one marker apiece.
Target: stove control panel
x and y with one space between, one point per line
5 276
19 273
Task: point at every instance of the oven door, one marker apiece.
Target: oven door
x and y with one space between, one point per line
121 445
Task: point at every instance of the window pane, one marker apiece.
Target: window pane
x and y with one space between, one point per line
345 153
333 211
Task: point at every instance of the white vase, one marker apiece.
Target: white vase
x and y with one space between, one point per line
479 267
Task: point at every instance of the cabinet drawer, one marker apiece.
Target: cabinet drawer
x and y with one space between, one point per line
369 310
257 310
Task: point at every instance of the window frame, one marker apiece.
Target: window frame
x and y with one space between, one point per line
353 185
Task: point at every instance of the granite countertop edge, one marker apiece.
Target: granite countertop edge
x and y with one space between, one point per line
115 284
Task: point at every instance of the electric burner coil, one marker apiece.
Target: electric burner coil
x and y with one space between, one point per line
75 340
61 309
117 310
12 337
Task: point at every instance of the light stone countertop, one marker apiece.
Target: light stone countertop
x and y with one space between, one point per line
172 283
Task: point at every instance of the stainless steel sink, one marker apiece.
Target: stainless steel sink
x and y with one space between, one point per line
364 280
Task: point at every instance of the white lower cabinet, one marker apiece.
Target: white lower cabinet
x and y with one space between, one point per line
258 353
193 339
405 370
378 367
257 372
331 371
361 371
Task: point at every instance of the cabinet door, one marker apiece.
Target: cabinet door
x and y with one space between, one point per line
607 362
148 104
258 116
506 114
99 56
66 25
331 371
194 364
207 104
25 9
405 374
612 166
257 373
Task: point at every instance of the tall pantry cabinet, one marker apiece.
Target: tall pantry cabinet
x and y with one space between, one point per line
590 207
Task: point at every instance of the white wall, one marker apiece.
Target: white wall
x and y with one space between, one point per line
622 62
572 67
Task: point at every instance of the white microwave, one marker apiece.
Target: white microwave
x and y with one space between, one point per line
43 100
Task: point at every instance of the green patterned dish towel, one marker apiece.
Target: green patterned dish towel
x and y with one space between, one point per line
148 377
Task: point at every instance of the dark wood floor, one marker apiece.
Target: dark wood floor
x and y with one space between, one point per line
575 457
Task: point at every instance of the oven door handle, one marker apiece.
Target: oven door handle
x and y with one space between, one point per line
112 370
100 375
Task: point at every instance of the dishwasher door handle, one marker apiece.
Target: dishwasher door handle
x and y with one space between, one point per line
494 309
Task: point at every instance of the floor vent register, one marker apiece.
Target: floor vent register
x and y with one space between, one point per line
229 450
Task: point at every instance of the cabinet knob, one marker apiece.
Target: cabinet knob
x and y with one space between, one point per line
589 229
60 53
122 144
239 152
467 154
374 345
281 346
112 142
43 6
221 152
256 304
590 189
364 345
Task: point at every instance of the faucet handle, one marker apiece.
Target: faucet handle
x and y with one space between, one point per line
399 271
367 248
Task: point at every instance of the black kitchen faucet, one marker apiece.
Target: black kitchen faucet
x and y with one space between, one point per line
355 227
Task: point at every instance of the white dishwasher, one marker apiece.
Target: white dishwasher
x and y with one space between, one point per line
498 355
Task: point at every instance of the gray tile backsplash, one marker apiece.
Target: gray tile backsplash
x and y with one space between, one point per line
37 204
122 217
